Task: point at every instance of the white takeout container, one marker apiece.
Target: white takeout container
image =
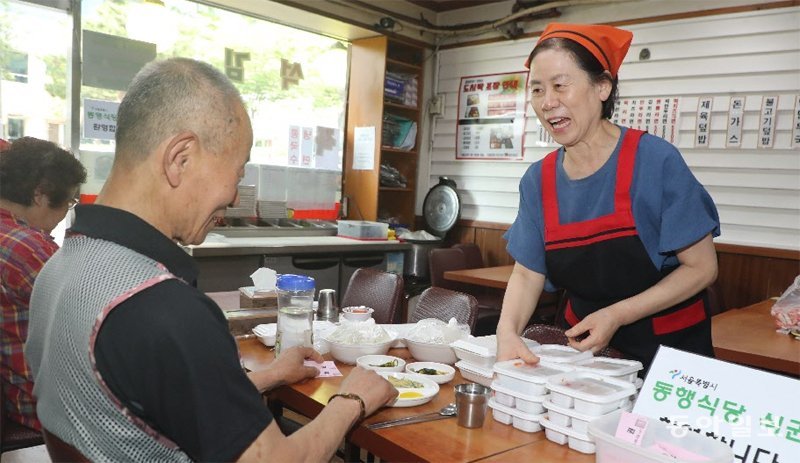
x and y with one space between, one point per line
524 378
431 352
610 449
527 403
607 366
582 442
572 418
528 422
589 393
481 350
557 353
475 373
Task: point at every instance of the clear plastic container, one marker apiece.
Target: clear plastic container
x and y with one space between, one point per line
610 449
616 368
524 378
363 230
592 394
295 312
295 291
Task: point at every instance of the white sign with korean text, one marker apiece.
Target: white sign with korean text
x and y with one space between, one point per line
766 125
735 117
755 412
293 150
655 115
99 119
796 123
307 146
364 148
703 123
491 116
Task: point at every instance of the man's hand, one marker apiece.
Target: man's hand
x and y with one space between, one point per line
373 389
289 368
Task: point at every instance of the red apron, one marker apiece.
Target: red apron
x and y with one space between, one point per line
602 261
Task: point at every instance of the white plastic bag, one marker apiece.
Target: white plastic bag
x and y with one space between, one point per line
786 310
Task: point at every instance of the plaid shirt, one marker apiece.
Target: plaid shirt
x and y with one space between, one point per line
23 252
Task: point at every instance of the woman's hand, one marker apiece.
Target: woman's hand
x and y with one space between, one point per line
600 326
510 346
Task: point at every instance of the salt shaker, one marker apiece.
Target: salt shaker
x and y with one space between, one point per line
327 309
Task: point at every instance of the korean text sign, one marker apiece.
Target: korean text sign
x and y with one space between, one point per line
491 116
755 412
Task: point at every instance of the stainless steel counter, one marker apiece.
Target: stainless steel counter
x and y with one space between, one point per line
283 245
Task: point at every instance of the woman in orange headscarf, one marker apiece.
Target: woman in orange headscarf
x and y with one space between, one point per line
614 216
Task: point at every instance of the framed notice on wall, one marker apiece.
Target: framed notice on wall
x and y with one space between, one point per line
491 116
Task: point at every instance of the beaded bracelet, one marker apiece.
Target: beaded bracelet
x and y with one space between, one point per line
351 396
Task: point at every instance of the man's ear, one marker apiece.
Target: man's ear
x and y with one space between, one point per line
178 154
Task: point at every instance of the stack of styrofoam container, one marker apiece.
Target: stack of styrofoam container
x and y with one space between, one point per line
247 203
519 392
271 192
577 398
477 355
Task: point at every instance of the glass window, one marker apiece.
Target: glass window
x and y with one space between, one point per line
293 81
17 66
16 128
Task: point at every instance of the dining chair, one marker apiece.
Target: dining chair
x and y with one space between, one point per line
490 300
472 254
444 304
552 334
14 436
383 291
60 451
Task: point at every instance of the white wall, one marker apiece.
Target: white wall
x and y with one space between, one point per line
757 191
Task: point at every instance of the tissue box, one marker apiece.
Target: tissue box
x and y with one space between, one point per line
250 299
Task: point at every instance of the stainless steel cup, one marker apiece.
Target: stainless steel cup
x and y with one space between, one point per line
471 402
327 308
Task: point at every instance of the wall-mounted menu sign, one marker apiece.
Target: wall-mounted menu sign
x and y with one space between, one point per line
491 116
655 115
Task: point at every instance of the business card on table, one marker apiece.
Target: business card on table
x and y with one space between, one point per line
326 369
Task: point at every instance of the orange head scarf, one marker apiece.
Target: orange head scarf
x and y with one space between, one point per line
608 44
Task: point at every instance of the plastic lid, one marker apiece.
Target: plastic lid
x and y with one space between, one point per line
609 366
556 353
290 282
591 387
537 373
485 372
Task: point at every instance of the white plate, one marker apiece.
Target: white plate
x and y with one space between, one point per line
428 389
448 372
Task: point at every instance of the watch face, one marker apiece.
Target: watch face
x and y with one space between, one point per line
441 208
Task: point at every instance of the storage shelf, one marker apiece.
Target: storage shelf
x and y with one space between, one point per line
389 149
409 66
390 104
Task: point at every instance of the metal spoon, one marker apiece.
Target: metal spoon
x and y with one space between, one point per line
446 412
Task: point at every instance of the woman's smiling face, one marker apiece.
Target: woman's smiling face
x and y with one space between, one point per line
566 101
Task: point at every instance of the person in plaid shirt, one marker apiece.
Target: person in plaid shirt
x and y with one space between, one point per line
38 185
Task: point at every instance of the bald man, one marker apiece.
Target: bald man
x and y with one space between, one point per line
131 362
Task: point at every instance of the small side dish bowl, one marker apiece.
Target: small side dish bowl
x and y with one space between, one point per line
357 313
381 363
439 373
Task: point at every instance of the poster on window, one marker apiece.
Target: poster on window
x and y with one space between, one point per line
99 119
491 116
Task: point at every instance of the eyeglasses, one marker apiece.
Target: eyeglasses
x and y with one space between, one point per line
73 202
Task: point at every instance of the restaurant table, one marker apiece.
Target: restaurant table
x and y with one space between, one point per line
492 277
441 440
747 336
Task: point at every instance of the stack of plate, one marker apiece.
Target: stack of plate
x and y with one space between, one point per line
247 203
272 209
